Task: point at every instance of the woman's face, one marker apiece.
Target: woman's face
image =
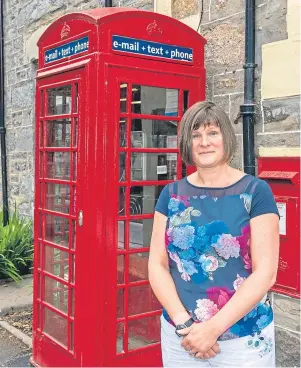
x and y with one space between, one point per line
207 146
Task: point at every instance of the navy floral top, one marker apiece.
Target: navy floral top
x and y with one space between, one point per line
208 244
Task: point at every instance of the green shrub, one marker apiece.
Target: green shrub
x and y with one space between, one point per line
16 246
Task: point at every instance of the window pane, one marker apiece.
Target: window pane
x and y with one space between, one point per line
58 197
121 234
153 133
143 332
59 100
57 262
57 230
142 300
122 171
75 97
138 266
55 326
153 166
121 211
123 97
120 303
185 100
59 133
154 100
144 198
122 133
119 337
58 165
140 233
56 294
120 269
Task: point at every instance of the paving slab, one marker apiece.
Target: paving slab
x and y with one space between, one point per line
15 296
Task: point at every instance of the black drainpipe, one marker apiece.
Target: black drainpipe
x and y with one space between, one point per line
108 3
248 108
2 127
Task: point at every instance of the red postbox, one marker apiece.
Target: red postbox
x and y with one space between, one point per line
283 176
112 86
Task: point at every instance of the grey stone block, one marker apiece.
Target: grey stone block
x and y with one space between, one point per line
24 139
282 114
138 4
277 140
225 8
230 82
235 102
222 102
22 96
287 312
28 116
225 45
237 160
184 8
287 349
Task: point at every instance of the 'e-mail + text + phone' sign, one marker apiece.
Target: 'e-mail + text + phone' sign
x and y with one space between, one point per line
149 48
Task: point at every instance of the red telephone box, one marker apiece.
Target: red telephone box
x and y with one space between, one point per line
112 86
283 175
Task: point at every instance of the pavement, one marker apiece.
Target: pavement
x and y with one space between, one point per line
13 297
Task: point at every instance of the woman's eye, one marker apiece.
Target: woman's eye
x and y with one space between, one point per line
194 136
213 132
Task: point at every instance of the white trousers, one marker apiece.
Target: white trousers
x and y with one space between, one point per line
258 351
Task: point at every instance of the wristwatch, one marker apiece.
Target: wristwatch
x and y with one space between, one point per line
183 325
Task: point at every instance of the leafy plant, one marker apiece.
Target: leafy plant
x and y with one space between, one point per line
16 246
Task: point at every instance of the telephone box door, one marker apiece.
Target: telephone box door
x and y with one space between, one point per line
59 139
145 108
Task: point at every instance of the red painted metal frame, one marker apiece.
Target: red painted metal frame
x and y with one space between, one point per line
117 76
283 176
98 73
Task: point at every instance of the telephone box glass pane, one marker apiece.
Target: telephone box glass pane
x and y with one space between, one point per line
58 197
120 303
140 233
154 133
75 129
57 230
185 100
142 300
119 337
58 165
122 133
144 198
56 326
122 171
56 294
120 269
121 229
42 134
59 100
75 97
138 266
121 201
57 262
153 166
154 100
58 133
143 332
123 96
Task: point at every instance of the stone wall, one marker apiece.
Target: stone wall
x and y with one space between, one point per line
23 18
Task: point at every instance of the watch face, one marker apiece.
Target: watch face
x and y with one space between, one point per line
180 327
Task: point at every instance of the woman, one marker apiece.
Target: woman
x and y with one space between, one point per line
207 228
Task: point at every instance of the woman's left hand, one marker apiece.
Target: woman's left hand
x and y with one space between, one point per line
200 338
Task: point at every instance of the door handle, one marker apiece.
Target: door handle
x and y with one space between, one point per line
80 218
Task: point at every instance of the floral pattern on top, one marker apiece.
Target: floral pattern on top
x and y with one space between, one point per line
201 250
197 250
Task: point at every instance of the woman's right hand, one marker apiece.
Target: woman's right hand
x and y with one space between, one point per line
211 353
